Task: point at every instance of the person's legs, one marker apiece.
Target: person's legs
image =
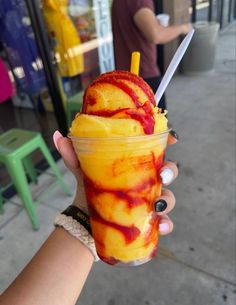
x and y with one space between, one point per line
154 83
7 116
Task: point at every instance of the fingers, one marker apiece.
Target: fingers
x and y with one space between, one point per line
165 203
173 137
166 226
163 206
65 148
169 172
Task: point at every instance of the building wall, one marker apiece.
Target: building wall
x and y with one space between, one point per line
179 13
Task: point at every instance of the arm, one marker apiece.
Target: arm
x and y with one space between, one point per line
147 23
55 275
58 271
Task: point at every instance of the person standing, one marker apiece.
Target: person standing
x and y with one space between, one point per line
135 28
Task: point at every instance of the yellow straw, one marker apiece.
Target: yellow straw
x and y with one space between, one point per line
135 61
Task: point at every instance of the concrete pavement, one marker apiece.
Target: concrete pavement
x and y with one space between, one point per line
196 263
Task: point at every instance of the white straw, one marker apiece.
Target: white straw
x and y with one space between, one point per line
173 65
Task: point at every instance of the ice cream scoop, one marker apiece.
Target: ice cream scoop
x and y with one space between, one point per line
118 103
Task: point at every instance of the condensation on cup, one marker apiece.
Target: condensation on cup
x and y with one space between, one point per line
164 19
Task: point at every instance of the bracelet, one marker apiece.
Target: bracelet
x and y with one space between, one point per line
76 222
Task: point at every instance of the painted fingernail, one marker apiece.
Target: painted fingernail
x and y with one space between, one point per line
160 205
56 136
167 175
174 134
164 227
176 163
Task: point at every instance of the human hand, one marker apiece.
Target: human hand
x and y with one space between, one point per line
166 202
162 206
186 28
65 148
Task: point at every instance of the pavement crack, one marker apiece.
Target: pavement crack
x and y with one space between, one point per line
166 253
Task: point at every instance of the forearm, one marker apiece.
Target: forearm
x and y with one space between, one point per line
54 276
153 32
167 34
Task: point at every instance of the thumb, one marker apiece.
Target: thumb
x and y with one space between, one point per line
65 148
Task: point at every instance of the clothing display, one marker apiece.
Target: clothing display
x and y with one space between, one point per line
19 43
63 32
6 86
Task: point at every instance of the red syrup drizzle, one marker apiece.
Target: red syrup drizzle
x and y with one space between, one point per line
130 233
109 260
93 190
146 118
157 163
107 113
154 252
154 223
137 80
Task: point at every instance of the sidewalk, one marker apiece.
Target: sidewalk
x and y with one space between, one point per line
196 263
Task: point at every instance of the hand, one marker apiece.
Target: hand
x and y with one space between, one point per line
65 148
186 28
169 172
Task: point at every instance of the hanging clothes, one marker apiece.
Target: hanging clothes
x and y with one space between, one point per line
6 86
67 41
18 39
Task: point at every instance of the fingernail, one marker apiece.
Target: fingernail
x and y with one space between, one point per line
164 227
167 175
56 136
174 134
176 163
160 205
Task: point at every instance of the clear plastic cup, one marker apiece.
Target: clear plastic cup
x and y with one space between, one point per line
164 19
122 182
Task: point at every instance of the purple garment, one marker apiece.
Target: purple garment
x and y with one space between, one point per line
128 38
6 87
18 38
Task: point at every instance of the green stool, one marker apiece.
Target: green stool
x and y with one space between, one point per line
74 104
1 202
16 145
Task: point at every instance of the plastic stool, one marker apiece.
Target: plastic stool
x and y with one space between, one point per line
74 103
15 147
29 169
1 203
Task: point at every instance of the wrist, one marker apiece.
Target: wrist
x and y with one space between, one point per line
182 29
78 245
76 222
80 199
185 28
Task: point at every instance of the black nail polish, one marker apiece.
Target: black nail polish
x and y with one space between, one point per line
174 134
160 205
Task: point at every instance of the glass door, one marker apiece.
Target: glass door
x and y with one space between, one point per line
52 50
80 36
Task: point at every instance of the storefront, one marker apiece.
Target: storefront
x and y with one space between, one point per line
52 50
221 11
